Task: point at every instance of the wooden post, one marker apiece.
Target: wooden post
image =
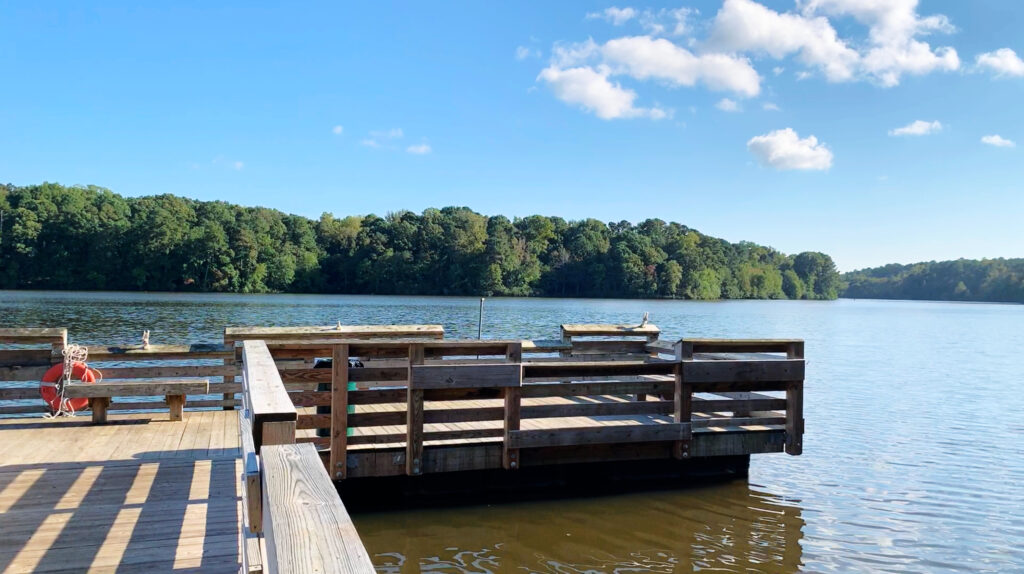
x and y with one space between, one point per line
99 409
414 417
683 398
795 350
795 417
514 352
339 412
278 432
176 404
513 402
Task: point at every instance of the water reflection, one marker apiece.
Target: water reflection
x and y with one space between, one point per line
733 527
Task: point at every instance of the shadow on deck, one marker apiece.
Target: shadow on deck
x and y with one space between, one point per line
132 508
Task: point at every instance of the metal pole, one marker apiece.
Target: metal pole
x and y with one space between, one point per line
480 322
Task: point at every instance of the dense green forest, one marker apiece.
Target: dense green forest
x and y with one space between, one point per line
57 237
961 280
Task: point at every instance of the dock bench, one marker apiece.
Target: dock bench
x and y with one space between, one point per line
174 391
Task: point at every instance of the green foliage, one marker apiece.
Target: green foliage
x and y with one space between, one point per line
999 280
57 237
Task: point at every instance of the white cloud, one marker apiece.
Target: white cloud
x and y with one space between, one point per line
770 107
777 70
893 26
594 92
379 138
617 16
746 26
783 149
917 128
727 105
643 57
524 52
419 149
337 130
997 141
890 50
1004 62
675 22
393 133
237 166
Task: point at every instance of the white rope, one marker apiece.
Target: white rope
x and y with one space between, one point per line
72 354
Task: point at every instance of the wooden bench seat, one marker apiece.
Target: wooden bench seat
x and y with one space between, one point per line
99 394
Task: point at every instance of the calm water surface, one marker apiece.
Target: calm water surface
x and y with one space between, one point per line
913 458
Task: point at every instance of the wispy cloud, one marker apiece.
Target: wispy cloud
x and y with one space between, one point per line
770 107
419 149
337 130
997 141
615 15
380 138
917 128
727 105
524 52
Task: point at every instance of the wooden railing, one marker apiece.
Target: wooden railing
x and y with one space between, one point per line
288 499
395 399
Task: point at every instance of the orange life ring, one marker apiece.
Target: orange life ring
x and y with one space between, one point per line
48 388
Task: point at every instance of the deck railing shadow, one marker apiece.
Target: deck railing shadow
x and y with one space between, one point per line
170 515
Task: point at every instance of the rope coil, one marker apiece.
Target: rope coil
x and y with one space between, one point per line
72 354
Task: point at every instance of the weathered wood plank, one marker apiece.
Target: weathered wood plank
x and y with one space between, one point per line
795 418
567 370
339 412
32 335
414 416
623 408
598 435
174 371
306 527
18 373
251 484
531 390
698 372
606 330
140 389
265 394
26 358
742 345
197 351
423 377
513 406
331 332
586 347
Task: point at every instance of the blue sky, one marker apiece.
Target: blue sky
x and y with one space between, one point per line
697 112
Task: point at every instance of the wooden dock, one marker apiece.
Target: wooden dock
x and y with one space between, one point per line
141 494
254 489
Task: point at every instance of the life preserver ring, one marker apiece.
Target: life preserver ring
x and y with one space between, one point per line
48 387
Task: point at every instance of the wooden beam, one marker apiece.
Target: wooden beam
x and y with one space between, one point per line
339 412
534 390
138 389
99 409
175 406
414 417
606 330
265 394
795 418
697 372
599 435
513 400
306 526
682 411
251 487
566 370
424 377
332 332
32 335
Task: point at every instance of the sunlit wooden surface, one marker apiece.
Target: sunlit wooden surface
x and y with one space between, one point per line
141 494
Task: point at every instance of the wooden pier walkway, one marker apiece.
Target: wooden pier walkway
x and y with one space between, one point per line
140 494
254 490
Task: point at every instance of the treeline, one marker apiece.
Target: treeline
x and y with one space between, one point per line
57 237
997 280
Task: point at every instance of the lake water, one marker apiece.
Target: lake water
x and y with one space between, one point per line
913 454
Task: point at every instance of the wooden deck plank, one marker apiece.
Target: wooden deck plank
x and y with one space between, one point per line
77 497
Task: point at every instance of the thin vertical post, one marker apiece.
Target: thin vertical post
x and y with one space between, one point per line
513 402
683 400
795 417
480 321
339 412
414 417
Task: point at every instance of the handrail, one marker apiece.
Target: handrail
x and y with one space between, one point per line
287 495
264 395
